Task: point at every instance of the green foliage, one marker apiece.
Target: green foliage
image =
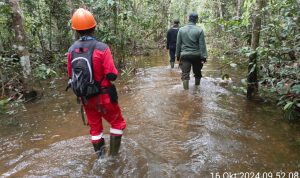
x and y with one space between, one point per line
296 89
43 72
240 89
9 79
248 7
8 66
3 102
5 33
127 71
246 51
291 109
3 106
278 54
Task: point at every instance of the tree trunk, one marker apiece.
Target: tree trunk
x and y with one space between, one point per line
165 19
221 16
117 52
186 5
40 32
50 31
20 43
221 13
238 8
252 67
1 46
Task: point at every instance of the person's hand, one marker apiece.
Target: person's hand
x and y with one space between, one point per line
203 60
179 64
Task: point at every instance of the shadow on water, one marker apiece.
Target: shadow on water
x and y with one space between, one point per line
170 133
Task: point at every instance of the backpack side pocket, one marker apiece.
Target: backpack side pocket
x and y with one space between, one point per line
92 89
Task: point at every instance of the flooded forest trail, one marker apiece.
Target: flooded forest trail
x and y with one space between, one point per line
171 132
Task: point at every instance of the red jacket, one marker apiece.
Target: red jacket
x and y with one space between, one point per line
103 66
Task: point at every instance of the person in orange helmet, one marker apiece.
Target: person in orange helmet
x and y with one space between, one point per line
88 53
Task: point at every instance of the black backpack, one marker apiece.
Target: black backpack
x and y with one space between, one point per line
82 81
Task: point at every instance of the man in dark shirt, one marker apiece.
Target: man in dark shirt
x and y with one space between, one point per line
171 41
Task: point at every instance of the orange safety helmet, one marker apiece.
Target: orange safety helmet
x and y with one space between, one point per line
83 20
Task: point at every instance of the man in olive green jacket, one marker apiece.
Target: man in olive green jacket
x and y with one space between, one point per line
191 50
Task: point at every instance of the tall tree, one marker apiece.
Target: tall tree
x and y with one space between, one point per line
252 67
238 8
186 6
20 42
1 46
220 6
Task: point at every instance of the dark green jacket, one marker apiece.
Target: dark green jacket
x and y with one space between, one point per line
191 42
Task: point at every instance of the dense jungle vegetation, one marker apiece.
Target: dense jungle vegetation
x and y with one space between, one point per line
261 34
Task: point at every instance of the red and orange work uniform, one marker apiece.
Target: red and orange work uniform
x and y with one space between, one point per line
100 105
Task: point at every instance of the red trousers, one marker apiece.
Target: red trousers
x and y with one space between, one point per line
111 112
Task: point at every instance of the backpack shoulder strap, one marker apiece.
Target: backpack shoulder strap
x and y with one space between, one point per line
91 51
90 44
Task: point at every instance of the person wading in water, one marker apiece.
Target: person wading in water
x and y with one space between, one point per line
171 41
91 71
191 50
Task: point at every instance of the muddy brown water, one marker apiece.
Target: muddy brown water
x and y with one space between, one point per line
203 132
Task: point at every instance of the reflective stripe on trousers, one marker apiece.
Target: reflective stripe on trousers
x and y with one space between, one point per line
116 131
96 137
